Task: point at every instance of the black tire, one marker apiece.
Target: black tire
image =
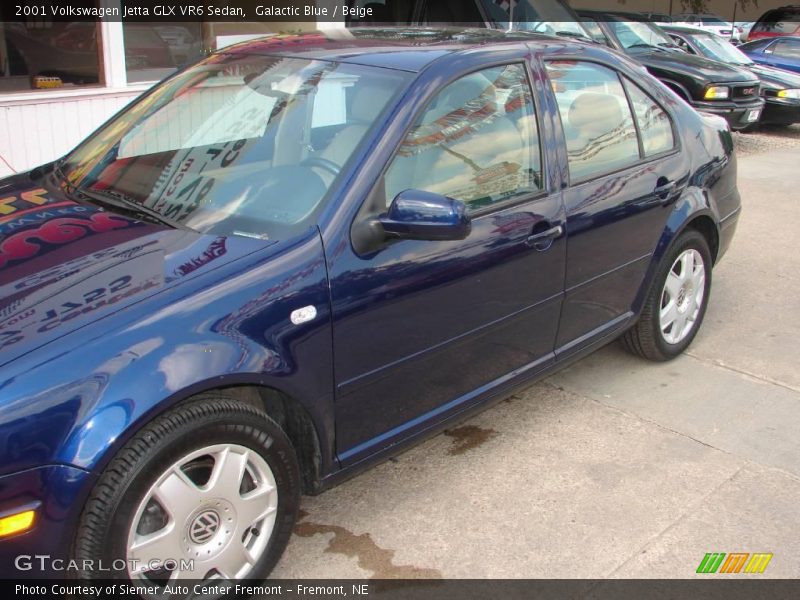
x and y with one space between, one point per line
646 339
210 419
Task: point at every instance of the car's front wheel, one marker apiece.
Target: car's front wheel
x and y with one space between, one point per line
676 304
208 490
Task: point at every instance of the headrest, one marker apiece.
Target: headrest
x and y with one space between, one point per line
459 93
369 100
603 110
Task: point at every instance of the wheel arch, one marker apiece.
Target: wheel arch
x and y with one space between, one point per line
677 88
704 224
295 420
693 211
306 427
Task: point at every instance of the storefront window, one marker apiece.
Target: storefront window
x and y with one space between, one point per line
42 54
153 51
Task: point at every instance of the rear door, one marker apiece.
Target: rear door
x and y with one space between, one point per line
625 172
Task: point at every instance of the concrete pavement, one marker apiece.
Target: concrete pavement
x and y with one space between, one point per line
615 467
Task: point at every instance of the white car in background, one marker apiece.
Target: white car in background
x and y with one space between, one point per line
744 29
710 22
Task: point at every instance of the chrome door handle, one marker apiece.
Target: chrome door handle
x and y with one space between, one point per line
544 239
663 190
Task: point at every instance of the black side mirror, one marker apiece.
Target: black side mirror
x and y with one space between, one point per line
419 215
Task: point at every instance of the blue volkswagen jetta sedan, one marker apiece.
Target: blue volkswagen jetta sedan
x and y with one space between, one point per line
304 253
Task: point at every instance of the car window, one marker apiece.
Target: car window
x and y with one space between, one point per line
636 34
655 127
243 145
755 46
788 48
682 44
595 116
718 48
595 30
477 142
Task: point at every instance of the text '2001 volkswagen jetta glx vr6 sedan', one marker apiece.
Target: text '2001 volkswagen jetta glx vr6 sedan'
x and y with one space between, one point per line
302 254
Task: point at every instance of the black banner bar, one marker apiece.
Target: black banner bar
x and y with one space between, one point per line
745 587
351 11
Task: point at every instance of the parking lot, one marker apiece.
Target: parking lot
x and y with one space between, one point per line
615 467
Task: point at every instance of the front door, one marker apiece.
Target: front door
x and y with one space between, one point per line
421 328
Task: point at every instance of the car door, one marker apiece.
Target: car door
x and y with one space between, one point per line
625 172
423 328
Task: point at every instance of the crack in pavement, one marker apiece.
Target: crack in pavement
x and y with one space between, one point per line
690 508
715 362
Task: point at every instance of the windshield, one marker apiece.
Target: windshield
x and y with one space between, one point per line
541 16
638 34
236 145
722 50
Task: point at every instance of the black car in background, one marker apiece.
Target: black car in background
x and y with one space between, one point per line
780 89
708 85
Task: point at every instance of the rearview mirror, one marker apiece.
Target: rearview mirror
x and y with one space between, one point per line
420 215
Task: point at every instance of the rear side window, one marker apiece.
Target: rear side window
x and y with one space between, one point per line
788 48
477 141
596 118
655 127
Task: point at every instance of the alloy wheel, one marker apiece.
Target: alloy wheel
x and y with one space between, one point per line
682 296
210 515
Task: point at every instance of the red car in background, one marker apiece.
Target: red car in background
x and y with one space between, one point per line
776 22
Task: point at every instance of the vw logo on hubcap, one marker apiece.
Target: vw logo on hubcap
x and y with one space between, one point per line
204 526
681 297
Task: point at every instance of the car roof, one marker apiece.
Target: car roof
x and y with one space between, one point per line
402 48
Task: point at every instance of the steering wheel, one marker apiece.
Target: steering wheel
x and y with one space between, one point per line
322 163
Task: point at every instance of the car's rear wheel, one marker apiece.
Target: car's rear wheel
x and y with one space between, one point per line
210 490
676 304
